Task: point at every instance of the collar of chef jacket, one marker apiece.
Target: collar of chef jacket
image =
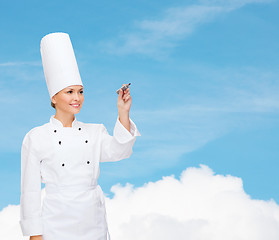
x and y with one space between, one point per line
57 123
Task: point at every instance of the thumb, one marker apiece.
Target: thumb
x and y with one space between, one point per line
120 95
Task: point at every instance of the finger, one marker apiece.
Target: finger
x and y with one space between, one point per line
121 87
126 94
127 98
120 95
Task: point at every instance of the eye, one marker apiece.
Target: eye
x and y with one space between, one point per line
70 91
81 91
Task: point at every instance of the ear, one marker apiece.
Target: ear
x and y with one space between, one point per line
53 100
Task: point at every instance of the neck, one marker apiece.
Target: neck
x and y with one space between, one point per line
65 118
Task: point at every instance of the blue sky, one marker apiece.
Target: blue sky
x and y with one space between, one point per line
204 84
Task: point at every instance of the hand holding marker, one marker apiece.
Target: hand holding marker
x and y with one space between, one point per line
123 88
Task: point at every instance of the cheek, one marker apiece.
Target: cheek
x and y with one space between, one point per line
82 99
65 101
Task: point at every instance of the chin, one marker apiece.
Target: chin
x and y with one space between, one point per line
74 111
78 110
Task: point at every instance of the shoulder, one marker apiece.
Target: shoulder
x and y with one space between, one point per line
35 133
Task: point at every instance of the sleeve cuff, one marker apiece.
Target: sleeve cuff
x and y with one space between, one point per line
122 134
31 227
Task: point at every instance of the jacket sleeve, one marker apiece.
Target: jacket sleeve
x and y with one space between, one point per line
30 199
119 146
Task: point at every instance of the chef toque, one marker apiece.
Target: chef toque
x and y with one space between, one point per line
59 62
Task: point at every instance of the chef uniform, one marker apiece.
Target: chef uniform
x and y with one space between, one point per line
67 160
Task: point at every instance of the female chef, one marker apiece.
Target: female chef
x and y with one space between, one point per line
65 154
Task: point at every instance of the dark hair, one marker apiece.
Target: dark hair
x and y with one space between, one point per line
52 104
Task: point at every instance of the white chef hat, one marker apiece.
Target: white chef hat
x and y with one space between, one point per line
59 62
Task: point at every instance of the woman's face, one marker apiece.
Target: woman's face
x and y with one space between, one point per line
69 99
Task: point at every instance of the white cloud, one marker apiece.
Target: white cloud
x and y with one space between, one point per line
200 205
9 225
150 36
12 64
12 74
232 4
154 37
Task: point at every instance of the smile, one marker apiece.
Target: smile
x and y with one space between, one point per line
75 105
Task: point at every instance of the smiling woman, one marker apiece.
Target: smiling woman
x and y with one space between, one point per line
65 154
71 90
68 101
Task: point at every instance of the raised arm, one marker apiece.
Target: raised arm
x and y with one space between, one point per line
120 145
30 200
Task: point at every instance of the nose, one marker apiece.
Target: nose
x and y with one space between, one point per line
76 97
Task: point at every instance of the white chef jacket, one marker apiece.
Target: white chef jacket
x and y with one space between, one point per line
67 160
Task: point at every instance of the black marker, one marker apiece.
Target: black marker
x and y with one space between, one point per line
123 88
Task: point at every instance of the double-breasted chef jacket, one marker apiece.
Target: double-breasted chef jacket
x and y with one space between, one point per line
67 160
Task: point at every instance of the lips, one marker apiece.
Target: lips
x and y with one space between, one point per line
75 105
